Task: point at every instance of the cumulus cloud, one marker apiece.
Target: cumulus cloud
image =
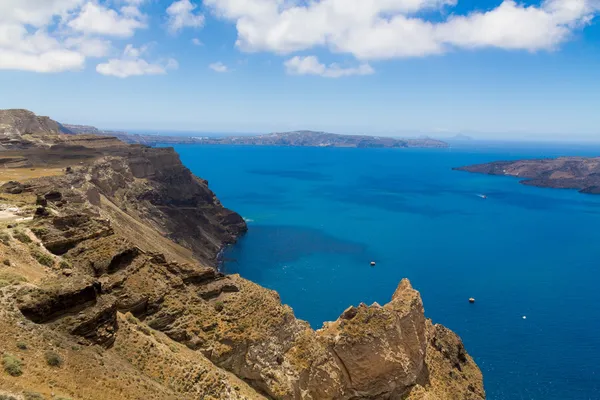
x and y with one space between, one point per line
310 65
59 35
383 29
219 67
181 15
131 63
197 42
36 13
97 19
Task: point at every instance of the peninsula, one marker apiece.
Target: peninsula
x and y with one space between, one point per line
296 138
582 173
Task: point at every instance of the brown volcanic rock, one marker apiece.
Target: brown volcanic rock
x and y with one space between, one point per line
382 349
24 122
153 185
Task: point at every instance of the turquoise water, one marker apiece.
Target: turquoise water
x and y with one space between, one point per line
318 216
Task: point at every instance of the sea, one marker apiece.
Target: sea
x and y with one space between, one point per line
530 256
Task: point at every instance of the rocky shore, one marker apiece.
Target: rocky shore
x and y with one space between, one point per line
109 290
582 173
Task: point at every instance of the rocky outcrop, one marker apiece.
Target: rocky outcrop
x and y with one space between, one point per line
133 238
582 173
24 122
382 349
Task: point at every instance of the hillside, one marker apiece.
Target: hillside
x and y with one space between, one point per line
108 290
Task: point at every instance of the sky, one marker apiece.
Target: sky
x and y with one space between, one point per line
487 68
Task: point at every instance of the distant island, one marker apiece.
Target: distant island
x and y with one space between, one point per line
296 138
582 173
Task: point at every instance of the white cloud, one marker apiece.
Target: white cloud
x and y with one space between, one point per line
97 19
219 67
48 61
59 35
131 64
514 26
38 52
310 65
381 29
36 13
197 42
181 15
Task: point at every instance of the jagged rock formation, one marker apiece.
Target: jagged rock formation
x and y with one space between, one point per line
582 173
115 274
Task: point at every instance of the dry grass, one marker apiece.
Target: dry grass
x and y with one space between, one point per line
10 278
23 174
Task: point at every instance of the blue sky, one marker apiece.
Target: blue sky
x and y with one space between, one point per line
497 69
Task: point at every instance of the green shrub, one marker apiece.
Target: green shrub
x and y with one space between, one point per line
64 264
22 237
7 397
39 231
5 238
10 278
21 345
219 306
43 258
53 359
12 365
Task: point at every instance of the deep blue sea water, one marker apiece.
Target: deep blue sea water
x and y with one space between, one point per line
318 216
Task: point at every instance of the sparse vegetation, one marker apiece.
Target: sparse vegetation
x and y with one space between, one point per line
10 278
21 345
144 329
64 264
42 258
53 359
12 365
39 231
7 397
131 318
22 236
5 238
32 396
219 306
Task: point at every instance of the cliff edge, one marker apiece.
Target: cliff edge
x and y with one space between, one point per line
109 289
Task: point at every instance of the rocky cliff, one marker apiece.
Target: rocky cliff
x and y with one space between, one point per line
109 291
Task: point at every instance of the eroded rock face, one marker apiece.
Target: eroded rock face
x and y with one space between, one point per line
382 349
156 187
